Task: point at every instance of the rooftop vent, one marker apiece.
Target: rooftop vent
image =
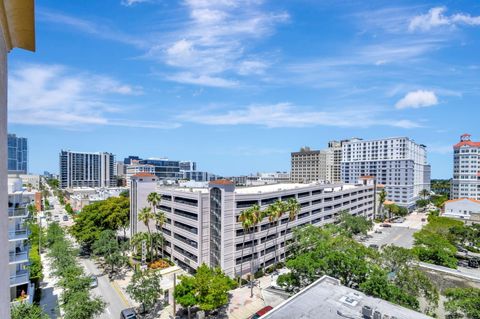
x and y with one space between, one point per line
377 315
367 312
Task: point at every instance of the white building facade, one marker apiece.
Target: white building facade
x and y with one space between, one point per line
398 163
466 169
81 169
462 208
202 224
18 232
135 168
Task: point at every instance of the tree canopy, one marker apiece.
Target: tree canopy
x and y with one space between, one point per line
110 214
463 302
355 225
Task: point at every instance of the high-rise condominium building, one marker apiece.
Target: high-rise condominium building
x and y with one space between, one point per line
466 169
17 154
398 163
309 165
79 169
202 223
18 200
188 166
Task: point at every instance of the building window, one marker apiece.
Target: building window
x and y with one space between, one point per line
215 226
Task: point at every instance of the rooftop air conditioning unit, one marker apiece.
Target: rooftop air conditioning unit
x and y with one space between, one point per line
377 315
367 312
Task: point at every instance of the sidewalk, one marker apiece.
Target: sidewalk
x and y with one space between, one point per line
50 293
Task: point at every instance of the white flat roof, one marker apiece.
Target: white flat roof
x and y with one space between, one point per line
270 188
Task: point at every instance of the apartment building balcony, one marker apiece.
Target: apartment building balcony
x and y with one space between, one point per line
18 212
21 277
18 256
18 234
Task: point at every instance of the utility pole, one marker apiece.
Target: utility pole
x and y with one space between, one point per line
174 303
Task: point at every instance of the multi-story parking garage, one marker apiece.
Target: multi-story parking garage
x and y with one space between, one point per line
202 223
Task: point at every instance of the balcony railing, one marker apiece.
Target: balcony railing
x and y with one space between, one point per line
18 257
19 234
21 277
17 212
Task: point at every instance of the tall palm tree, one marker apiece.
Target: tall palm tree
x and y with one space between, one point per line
293 208
382 196
145 215
154 199
424 193
160 220
246 219
269 212
256 218
280 209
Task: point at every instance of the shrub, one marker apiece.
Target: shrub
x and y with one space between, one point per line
159 264
258 274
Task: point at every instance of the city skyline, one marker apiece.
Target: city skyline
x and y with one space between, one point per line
237 86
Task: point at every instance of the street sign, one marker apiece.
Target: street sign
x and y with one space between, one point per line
144 251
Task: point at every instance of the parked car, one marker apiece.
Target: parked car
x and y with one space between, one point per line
374 246
94 282
128 314
261 312
65 218
462 263
473 263
378 231
386 225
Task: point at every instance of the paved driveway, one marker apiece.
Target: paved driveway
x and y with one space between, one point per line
398 236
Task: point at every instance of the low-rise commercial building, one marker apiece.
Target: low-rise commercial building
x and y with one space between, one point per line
327 298
462 208
81 197
202 223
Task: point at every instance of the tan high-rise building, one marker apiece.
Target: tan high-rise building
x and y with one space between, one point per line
309 165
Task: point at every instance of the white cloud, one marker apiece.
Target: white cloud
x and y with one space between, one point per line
288 115
216 40
55 95
204 80
417 99
129 3
436 17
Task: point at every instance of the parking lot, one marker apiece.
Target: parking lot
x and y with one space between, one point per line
399 236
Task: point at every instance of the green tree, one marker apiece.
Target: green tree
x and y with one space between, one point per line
25 310
69 209
354 225
280 208
424 193
392 209
270 214
146 215
125 194
109 249
110 214
433 248
463 302
382 197
82 306
145 288
293 208
211 288
421 203
245 218
185 292
160 220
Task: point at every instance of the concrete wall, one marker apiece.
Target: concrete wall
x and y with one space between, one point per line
4 268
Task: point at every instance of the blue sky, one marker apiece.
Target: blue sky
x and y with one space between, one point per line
236 85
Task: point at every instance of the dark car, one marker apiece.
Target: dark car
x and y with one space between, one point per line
65 218
374 246
94 281
386 225
473 263
261 312
128 314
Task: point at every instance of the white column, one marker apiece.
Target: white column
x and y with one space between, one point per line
4 267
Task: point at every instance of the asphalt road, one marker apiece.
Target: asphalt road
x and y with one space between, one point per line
398 236
112 296
106 290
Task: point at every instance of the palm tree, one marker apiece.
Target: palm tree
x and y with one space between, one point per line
280 209
382 196
293 208
157 242
392 210
160 220
154 199
256 217
246 219
270 213
146 216
424 193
